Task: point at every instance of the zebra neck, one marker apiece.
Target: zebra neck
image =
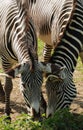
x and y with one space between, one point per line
67 51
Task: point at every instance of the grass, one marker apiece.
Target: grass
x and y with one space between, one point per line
62 119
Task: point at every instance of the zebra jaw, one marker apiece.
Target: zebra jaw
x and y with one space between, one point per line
45 67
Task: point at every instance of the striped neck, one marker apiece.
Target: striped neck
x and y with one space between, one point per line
67 51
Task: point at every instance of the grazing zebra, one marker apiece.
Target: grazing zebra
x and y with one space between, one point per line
50 19
18 52
61 93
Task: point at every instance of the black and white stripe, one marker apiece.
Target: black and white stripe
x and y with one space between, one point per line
50 19
61 93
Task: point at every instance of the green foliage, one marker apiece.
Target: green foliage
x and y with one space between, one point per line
62 120
23 122
79 65
40 47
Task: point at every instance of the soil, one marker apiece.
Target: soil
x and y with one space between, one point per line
18 104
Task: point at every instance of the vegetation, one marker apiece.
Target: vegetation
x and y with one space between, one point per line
62 120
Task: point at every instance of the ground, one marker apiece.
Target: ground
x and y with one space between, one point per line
18 104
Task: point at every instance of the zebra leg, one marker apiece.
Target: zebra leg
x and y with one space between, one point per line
2 93
47 52
46 55
7 88
43 104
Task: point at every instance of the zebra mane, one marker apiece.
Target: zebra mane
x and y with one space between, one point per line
29 25
24 4
62 18
69 17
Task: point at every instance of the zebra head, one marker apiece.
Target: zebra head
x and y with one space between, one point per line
31 80
60 93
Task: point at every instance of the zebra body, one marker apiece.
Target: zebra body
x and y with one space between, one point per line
50 21
46 15
61 93
18 49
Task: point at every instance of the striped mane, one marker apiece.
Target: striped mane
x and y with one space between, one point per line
62 18
67 17
24 5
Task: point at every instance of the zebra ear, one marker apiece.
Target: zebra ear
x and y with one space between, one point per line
45 67
55 72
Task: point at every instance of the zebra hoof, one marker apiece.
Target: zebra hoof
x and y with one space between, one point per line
7 120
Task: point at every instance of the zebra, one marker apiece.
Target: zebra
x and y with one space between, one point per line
49 23
18 52
46 15
60 93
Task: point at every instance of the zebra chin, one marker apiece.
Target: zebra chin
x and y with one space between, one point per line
49 111
35 105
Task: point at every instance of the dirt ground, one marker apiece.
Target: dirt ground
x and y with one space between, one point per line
18 104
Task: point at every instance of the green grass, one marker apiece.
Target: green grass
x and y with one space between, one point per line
62 120
40 47
79 66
